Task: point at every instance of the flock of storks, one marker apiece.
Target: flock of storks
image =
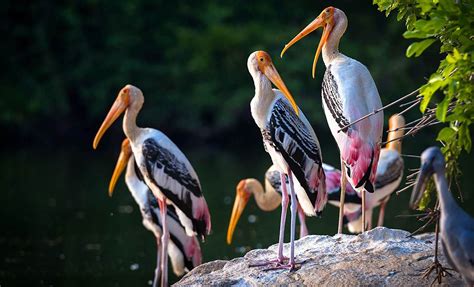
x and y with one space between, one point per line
168 192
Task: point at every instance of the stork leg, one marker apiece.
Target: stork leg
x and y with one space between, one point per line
294 210
164 243
363 209
284 206
157 279
382 211
302 217
369 219
342 197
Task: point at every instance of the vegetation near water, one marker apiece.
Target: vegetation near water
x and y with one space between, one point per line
450 26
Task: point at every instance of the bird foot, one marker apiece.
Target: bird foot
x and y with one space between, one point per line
440 270
290 267
278 261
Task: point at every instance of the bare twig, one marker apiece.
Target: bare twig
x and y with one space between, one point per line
379 110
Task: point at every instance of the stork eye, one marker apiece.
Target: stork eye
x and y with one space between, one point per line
261 59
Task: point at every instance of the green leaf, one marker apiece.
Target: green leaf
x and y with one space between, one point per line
418 47
445 134
416 34
442 109
465 137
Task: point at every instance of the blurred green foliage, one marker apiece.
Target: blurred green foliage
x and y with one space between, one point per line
451 24
66 61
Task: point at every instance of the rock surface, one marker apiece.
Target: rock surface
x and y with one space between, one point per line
380 257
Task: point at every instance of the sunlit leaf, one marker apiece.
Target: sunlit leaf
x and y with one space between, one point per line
445 134
418 47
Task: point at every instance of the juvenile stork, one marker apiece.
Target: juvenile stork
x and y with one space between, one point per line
292 145
267 199
456 226
165 169
184 251
349 93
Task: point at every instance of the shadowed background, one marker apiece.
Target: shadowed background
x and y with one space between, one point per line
63 64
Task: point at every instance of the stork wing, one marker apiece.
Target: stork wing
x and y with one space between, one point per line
390 169
171 174
298 146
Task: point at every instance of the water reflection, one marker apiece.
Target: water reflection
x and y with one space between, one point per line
59 227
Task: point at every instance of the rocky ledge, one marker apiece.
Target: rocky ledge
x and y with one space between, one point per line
380 257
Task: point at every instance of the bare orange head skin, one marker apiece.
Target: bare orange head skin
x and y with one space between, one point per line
242 196
325 20
125 154
120 105
265 65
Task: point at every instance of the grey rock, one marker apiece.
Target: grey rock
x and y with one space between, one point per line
379 257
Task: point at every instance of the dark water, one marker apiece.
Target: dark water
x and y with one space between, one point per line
59 227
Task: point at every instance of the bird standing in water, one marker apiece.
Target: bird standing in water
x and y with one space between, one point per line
292 145
165 169
349 93
184 251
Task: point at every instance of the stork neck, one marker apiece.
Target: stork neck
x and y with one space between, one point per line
130 127
267 200
446 199
393 143
262 100
330 50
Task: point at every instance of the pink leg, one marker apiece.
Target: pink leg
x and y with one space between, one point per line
157 279
302 217
294 210
284 206
382 211
164 244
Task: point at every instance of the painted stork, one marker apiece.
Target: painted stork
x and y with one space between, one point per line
184 251
349 93
387 179
267 199
456 226
292 145
165 169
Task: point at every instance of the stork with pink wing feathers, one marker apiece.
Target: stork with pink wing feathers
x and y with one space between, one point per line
348 93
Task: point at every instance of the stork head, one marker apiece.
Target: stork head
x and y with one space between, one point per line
125 154
432 161
260 63
327 19
128 97
242 195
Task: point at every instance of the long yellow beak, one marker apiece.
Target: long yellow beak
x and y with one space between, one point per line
119 106
125 154
318 22
241 200
272 74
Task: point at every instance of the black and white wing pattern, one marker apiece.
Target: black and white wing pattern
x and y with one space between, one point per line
390 168
332 99
179 184
288 135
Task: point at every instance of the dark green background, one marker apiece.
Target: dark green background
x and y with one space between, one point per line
63 64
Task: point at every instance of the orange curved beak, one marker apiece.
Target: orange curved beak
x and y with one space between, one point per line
269 70
119 106
125 154
241 200
321 21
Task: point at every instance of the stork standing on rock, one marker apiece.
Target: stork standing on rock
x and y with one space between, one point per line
349 93
292 145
